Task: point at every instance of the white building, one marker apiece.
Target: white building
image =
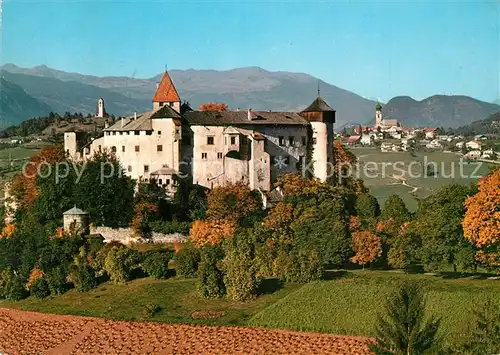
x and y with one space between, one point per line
367 139
211 147
475 145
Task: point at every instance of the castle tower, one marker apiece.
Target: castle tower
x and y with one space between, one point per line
378 115
100 112
321 117
166 94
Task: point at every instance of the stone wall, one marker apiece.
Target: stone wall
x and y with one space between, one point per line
126 235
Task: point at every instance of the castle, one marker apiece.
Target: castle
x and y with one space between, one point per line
211 147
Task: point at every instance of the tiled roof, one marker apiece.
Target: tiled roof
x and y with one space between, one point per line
216 118
166 112
318 105
141 123
166 91
74 211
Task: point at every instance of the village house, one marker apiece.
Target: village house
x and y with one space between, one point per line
213 148
475 145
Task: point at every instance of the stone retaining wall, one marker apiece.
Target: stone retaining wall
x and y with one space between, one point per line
126 235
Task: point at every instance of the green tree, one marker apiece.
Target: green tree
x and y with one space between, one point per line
395 209
210 274
402 330
438 222
367 209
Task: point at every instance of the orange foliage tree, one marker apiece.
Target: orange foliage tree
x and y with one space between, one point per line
232 202
212 231
481 223
144 212
23 187
343 165
367 246
7 231
213 106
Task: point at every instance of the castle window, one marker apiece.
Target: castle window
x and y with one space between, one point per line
113 149
148 133
287 160
291 141
121 133
146 168
304 140
137 148
203 155
100 148
167 182
219 155
159 148
137 133
114 133
159 133
210 140
300 163
314 140
160 181
233 140
281 140
129 168
123 148
160 104
171 104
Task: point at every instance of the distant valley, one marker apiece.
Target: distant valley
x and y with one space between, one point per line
28 92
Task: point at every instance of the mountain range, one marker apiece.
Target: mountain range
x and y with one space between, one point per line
38 90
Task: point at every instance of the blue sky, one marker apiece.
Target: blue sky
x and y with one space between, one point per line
376 49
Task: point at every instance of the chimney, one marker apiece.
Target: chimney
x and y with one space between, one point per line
135 116
249 114
123 121
106 125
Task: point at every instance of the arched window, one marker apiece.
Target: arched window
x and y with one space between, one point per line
113 149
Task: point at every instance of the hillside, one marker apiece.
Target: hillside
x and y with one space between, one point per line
243 88
239 88
16 105
438 110
490 125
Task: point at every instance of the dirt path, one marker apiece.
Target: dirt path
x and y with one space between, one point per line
36 333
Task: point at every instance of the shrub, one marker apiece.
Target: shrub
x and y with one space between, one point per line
83 277
150 310
156 264
292 266
239 270
211 278
16 290
119 264
56 280
187 260
97 261
40 288
171 227
6 278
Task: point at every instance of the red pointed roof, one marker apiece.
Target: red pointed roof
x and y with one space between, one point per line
166 91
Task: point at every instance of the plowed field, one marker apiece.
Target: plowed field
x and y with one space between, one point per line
36 333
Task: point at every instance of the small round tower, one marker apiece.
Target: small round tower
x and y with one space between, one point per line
76 221
321 117
100 112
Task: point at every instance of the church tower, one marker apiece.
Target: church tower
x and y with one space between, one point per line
378 116
166 94
321 117
100 112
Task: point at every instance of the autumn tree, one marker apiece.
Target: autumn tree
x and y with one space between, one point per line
213 106
234 202
481 223
145 213
211 231
343 168
367 248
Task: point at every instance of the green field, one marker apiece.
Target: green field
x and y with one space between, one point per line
383 178
11 162
347 304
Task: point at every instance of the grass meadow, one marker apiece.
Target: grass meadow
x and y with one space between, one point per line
383 178
346 304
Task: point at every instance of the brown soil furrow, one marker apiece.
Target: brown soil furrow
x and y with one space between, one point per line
36 333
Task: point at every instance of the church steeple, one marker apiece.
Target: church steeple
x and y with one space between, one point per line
166 94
